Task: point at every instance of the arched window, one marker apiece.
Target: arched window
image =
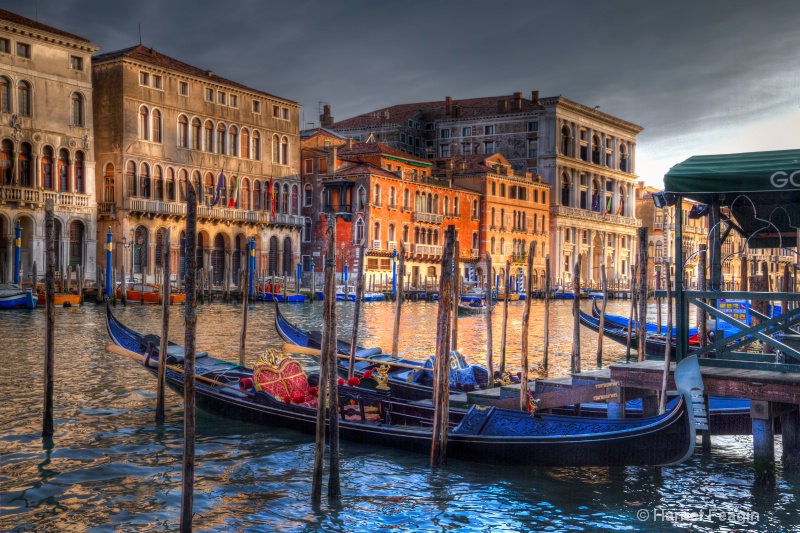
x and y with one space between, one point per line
307 230
273 256
144 179
140 247
218 259
144 123
80 178
358 234
294 205
24 98
109 191
274 197
220 138
158 183
376 231
25 158
659 249
76 231
208 136
455 206
63 171
170 185
446 205
159 259
566 141
157 126
7 157
406 199
565 190
245 146
5 95
76 109
257 203
48 181
256 146
392 197
183 132
198 188
285 200
287 256
475 209
233 139
391 233
208 189
284 151
196 134
131 181
308 195
245 193
376 195
183 177
276 150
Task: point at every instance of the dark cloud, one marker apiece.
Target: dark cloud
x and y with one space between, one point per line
689 72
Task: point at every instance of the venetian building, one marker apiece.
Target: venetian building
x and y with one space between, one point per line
586 157
46 145
162 123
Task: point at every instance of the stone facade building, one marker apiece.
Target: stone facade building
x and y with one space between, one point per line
585 156
46 145
161 123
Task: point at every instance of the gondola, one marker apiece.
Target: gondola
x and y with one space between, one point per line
654 345
12 296
409 384
473 307
652 329
487 435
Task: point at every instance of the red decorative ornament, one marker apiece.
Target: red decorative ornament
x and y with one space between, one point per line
313 392
298 398
354 381
341 381
367 374
287 399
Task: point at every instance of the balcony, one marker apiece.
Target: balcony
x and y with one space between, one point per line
37 197
376 245
430 218
426 249
280 218
106 209
175 209
658 225
584 214
391 245
474 252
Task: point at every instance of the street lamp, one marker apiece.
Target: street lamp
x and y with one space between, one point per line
135 242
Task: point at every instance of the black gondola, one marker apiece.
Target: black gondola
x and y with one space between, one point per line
405 383
488 435
654 346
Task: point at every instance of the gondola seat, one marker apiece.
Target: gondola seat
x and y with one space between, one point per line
354 407
283 378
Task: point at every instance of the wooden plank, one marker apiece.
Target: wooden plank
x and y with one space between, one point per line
560 398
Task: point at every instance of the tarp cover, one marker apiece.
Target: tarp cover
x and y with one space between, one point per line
760 189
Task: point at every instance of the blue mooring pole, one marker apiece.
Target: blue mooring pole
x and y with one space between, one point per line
109 266
394 272
299 276
18 252
252 266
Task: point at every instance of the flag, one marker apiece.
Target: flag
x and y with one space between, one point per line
272 197
220 185
608 207
619 209
596 203
234 199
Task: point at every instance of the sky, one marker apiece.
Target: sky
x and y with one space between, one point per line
700 76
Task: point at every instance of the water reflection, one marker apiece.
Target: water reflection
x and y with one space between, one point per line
109 466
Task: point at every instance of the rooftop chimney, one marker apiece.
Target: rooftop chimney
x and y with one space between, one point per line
325 119
456 111
502 106
518 101
448 105
535 97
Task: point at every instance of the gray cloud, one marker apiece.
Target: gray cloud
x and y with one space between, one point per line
684 70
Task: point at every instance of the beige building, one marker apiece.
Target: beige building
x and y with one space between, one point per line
46 144
160 123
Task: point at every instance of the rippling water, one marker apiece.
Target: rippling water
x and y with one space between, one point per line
110 468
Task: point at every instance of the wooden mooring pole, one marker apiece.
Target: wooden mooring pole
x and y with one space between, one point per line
503 331
162 350
702 324
49 332
575 361
641 331
357 307
662 406
456 295
190 315
401 271
604 281
441 375
488 292
526 314
632 286
546 325
245 306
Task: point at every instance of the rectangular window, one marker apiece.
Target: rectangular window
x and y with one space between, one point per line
183 88
234 100
276 111
410 123
403 138
444 134
466 132
285 113
488 147
411 140
533 150
221 97
5 46
533 126
309 166
158 82
488 130
466 148
144 79
209 95
445 150
24 50
75 63
256 106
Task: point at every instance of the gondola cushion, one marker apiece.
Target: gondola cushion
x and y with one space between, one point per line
287 380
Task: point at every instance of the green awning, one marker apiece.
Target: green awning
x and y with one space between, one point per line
761 191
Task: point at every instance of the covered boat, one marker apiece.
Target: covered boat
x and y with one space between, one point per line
13 296
481 434
149 293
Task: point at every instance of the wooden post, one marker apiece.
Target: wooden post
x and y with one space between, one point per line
546 347
456 295
124 286
401 270
702 324
662 406
658 305
575 362
357 307
162 350
604 281
190 314
441 374
35 287
523 381
505 320
245 306
488 292
632 286
642 329
49 332
80 283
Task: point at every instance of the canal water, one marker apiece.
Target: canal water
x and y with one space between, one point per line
111 468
